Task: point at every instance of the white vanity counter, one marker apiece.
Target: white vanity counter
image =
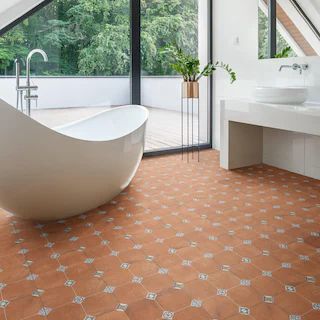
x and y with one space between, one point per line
242 130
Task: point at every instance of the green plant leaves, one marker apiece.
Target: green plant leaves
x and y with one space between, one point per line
189 66
285 53
227 68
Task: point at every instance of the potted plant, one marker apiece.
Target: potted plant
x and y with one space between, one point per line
189 67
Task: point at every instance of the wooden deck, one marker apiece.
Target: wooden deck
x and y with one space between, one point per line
163 129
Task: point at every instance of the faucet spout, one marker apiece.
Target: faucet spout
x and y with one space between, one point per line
39 51
284 66
29 57
28 67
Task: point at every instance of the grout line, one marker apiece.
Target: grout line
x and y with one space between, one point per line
4 310
188 237
51 249
30 272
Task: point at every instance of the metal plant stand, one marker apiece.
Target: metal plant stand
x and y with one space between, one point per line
190 103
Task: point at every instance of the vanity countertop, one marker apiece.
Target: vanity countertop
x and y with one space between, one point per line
299 118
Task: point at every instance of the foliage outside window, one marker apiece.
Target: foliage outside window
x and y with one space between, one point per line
92 37
283 48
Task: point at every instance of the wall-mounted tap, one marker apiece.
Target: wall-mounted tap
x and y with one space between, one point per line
295 66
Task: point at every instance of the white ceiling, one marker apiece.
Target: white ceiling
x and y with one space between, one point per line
312 10
6 4
316 4
10 10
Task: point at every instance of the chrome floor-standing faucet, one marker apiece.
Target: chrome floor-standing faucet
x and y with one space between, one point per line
28 88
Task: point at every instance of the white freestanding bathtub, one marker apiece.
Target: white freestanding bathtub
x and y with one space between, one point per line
50 174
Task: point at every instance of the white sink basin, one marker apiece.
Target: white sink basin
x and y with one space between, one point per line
274 95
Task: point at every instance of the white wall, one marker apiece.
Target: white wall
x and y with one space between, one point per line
64 92
234 19
72 92
10 10
161 92
235 42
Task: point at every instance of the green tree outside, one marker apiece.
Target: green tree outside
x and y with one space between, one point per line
92 37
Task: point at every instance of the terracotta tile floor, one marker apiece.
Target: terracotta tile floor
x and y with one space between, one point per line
183 242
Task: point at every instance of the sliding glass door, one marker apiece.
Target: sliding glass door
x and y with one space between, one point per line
184 23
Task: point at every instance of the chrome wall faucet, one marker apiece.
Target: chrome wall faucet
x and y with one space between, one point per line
295 66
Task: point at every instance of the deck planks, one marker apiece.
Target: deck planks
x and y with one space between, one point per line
163 128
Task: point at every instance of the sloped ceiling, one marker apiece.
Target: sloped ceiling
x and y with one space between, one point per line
316 4
312 10
10 10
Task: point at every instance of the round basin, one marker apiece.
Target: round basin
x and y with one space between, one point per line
278 95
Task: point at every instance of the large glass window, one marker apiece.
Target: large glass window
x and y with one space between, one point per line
81 38
88 46
283 47
89 67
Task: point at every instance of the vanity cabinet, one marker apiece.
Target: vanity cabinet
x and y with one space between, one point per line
284 136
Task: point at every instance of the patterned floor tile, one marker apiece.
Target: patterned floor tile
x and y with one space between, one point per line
22 308
115 315
174 300
245 296
183 241
266 311
18 289
157 283
191 313
67 312
220 307
200 289
130 292
100 303
293 303
144 309
58 296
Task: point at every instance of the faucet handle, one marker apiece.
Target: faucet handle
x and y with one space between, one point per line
300 67
31 97
25 88
296 66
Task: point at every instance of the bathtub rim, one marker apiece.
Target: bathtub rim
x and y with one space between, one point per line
70 124
31 121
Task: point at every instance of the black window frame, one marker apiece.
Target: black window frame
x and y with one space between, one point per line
272 25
